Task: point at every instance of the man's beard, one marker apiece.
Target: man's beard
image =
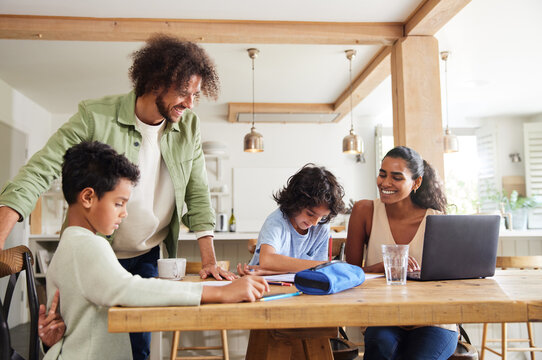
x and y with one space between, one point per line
162 108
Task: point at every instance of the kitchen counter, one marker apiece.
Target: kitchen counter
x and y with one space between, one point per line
222 236
530 233
244 235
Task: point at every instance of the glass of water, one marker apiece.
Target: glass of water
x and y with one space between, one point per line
395 258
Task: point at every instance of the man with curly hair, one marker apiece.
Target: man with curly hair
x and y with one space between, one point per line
155 128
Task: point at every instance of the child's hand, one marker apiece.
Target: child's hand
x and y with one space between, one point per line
248 288
244 269
51 326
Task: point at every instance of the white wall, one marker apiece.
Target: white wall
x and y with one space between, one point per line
23 114
292 146
510 140
509 130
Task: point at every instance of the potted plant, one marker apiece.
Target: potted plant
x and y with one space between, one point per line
519 207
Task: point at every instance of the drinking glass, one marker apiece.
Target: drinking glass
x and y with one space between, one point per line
395 258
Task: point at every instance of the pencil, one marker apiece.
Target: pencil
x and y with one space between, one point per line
280 283
280 296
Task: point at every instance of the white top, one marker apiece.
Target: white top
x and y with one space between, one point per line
381 235
152 201
90 279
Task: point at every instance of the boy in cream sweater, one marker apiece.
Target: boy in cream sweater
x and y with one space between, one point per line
97 182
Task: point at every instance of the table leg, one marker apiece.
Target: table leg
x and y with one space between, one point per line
318 349
263 346
309 344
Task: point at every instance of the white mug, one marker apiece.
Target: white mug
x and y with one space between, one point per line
172 268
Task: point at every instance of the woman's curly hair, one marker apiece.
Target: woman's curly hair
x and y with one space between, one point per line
167 61
310 187
430 194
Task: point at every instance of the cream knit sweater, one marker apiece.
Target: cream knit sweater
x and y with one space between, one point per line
90 279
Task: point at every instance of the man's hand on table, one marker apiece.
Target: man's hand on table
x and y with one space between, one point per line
217 272
51 326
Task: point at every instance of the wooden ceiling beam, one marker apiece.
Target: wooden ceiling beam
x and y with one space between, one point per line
29 27
432 16
278 108
372 75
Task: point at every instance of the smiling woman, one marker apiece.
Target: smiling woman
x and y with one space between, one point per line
409 191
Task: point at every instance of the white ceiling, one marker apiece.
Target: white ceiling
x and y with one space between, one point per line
493 68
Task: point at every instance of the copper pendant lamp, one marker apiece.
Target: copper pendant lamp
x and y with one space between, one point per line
253 140
352 143
451 143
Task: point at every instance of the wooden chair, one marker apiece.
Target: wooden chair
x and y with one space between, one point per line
193 267
337 248
251 245
13 261
517 262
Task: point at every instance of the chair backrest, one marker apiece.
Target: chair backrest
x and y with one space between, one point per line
12 262
519 262
193 267
337 248
251 245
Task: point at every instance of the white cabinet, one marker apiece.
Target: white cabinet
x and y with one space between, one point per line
45 224
43 247
49 212
216 182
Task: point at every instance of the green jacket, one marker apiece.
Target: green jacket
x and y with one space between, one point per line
111 120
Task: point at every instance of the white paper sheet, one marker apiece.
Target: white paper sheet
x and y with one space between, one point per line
373 276
216 283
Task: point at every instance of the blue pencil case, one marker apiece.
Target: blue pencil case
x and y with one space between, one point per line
329 278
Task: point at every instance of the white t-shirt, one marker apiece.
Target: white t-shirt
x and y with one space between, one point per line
152 201
279 232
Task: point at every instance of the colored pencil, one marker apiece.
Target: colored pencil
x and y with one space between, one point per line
280 296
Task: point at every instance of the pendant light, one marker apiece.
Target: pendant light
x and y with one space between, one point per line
253 140
451 144
352 143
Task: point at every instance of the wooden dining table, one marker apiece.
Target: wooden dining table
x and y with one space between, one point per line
509 296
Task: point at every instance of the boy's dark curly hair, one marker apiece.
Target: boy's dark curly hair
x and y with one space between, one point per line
430 194
94 165
167 61
310 187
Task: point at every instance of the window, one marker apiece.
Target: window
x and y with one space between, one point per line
461 177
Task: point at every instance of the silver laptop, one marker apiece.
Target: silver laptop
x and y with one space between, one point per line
459 247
